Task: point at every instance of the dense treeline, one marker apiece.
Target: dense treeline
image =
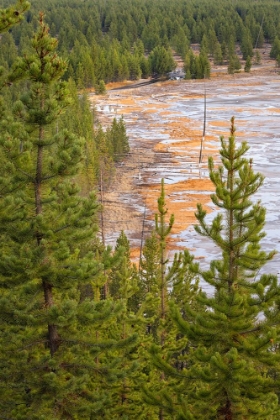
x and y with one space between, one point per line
112 41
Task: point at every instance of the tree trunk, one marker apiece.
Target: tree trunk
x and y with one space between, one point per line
225 412
53 337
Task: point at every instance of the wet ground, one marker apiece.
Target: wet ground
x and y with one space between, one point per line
165 123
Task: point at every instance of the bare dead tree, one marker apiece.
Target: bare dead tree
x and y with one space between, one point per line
204 126
142 236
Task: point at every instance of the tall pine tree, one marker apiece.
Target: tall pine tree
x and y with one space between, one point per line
232 333
53 363
163 280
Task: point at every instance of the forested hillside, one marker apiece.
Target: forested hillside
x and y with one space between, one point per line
113 41
85 333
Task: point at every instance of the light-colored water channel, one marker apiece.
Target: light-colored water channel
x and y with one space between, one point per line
168 119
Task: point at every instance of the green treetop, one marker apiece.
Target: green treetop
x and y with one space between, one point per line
161 60
53 362
233 331
118 139
163 280
12 15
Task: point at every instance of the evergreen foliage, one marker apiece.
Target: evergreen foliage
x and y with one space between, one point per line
232 333
101 39
100 88
117 139
51 353
257 59
218 54
84 335
13 15
124 280
246 44
197 66
164 281
275 50
234 64
79 118
248 64
161 61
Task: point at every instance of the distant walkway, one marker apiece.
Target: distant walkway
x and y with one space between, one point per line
139 84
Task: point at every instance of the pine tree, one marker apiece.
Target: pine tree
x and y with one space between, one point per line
234 64
100 88
196 67
258 58
233 332
105 164
248 64
145 67
217 54
79 118
247 44
8 52
124 286
204 45
275 49
134 67
12 15
53 364
149 264
9 17
213 42
203 66
161 60
124 279
163 280
118 139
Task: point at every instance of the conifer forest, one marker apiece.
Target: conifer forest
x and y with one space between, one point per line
87 332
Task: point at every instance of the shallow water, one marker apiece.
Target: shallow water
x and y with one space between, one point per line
255 104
